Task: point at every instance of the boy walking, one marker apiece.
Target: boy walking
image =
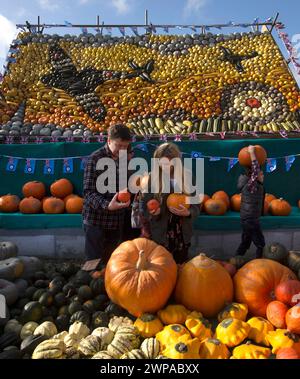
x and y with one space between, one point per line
252 204
103 214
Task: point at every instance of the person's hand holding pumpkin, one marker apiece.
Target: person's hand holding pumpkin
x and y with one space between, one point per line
180 211
115 205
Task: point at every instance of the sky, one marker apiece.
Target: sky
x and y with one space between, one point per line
132 11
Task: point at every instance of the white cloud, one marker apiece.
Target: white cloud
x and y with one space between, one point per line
193 6
121 6
82 2
48 5
8 31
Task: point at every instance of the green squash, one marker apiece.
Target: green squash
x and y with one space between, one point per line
30 291
62 322
29 344
8 250
97 286
9 339
74 307
60 299
85 292
100 319
81 316
38 293
276 252
33 311
46 299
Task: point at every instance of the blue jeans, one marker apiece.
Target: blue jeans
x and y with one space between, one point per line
100 243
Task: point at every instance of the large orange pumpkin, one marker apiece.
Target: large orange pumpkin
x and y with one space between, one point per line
244 156
53 205
35 189
235 202
292 319
9 203
276 311
140 276
280 207
256 281
74 204
221 195
61 188
174 200
215 207
204 285
30 205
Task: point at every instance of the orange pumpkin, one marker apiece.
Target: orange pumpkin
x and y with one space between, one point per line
69 197
74 204
292 319
256 281
287 353
230 268
153 205
35 189
280 207
266 207
123 196
235 202
140 276
53 205
9 203
269 197
204 286
30 205
276 311
61 188
174 200
286 292
221 195
244 156
215 207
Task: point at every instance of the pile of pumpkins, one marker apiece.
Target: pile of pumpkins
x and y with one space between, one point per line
190 82
199 310
35 200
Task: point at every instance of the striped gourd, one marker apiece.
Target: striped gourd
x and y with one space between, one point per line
103 355
133 354
119 346
150 347
90 346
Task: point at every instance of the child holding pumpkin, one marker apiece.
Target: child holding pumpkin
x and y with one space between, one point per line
169 226
252 206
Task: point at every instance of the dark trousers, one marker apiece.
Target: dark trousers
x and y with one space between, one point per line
128 232
251 233
100 243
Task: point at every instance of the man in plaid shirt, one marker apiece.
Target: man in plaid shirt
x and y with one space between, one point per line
103 215
252 206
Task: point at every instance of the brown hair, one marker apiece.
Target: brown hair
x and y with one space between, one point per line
119 131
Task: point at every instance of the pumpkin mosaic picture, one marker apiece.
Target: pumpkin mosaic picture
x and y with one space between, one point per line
156 84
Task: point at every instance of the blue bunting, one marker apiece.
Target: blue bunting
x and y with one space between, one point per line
289 162
29 166
271 164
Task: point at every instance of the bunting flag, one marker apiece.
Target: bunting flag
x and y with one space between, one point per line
49 167
289 162
135 30
29 166
68 166
271 164
83 162
163 137
289 47
232 162
193 28
166 29
142 147
12 164
196 154
177 138
214 159
67 23
11 60
122 30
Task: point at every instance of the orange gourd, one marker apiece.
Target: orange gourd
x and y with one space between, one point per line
74 204
256 281
140 276
30 205
292 319
244 156
276 311
235 202
221 195
215 207
9 203
35 189
61 188
174 200
53 205
204 286
280 207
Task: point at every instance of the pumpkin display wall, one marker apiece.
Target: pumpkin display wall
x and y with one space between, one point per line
154 83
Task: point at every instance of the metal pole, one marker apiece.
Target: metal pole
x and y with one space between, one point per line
38 24
146 17
274 22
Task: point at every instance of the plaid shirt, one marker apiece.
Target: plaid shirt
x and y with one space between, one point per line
95 210
254 174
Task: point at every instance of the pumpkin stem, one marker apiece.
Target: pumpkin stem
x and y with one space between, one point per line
202 256
142 262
